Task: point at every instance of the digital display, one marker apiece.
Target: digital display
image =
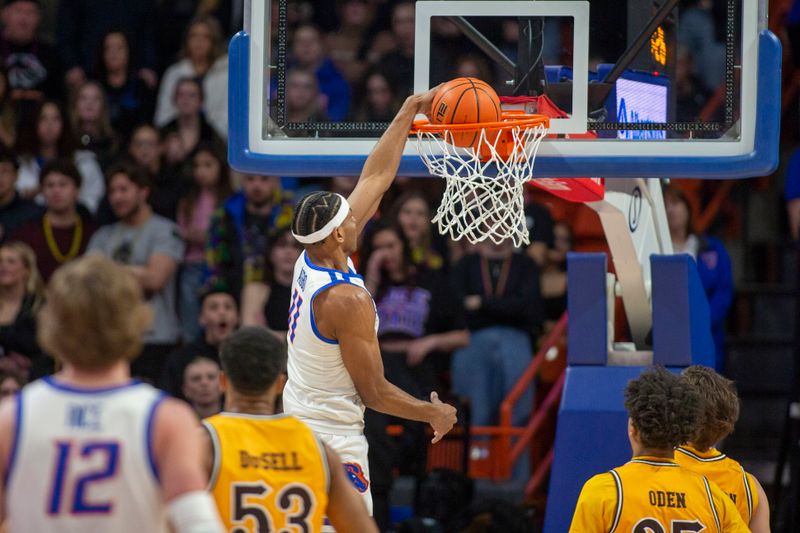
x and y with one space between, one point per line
658 46
640 102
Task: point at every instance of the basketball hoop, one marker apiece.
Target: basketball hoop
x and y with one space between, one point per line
483 197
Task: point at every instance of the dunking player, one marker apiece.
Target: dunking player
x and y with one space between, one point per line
258 460
652 493
88 449
719 413
334 365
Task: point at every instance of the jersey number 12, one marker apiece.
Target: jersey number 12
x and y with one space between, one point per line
64 474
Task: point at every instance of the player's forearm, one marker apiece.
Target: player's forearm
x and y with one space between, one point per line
382 163
391 400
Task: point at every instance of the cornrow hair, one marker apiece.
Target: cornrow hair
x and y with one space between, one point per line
314 211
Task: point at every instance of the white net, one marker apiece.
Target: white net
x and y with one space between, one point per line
483 197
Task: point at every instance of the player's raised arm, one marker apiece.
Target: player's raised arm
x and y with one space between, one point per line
347 312
381 166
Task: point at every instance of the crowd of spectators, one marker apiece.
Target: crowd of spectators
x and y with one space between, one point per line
112 141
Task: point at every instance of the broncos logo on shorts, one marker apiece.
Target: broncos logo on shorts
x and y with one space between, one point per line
357 477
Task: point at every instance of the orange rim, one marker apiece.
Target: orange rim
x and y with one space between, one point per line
510 119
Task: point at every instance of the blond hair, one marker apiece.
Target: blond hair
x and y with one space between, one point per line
34 286
217 38
719 403
95 314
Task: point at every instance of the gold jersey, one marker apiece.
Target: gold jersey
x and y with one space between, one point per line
270 473
726 473
654 495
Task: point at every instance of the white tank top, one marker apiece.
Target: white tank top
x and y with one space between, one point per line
82 460
319 390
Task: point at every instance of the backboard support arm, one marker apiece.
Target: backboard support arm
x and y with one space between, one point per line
635 225
487 47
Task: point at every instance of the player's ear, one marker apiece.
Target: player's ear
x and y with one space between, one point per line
280 383
223 382
338 234
277 386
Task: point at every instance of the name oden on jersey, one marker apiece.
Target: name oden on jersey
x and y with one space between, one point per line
669 499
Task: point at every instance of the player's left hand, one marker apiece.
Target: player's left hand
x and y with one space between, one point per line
444 420
425 101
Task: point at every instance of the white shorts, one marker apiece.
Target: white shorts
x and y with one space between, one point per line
352 450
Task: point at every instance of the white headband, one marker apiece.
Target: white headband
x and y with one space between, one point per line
327 229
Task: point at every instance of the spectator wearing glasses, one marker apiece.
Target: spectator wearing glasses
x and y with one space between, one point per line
151 248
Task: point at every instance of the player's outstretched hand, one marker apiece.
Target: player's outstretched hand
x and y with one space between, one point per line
443 419
425 101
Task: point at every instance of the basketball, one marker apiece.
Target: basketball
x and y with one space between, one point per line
462 101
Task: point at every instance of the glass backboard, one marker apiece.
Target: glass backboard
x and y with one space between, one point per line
650 88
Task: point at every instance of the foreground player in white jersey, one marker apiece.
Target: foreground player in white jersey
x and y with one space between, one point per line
89 449
334 363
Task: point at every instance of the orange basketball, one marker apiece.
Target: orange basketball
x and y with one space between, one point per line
465 100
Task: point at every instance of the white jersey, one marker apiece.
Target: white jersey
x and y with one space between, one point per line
82 460
319 390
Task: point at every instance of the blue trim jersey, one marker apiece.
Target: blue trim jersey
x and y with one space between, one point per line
319 390
82 460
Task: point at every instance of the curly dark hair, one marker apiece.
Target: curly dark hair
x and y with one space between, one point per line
663 407
719 405
252 359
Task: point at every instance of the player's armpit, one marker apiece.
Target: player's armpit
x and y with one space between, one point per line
346 509
178 452
348 315
347 312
